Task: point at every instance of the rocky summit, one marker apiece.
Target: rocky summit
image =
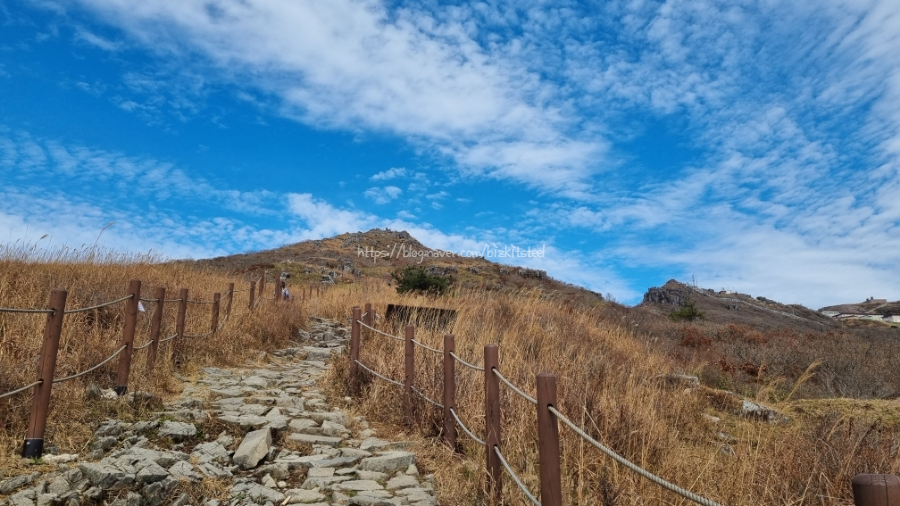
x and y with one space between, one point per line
283 443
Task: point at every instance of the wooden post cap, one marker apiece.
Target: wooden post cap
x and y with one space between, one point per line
876 490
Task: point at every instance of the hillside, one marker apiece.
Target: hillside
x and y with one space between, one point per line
761 313
757 345
357 257
867 307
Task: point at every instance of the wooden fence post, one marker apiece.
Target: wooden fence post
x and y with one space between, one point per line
410 368
548 441
876 490
229 300
449 391
262 283
252 294
279 294
217 298
370 316
40 404
131 310
179 326
492 421
354 350
155 324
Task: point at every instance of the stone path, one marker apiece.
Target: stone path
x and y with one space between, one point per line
283 444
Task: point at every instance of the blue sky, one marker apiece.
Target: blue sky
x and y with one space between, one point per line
749 145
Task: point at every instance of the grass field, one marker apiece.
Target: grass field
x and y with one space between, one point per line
607 384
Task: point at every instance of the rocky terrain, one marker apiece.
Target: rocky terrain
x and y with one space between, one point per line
736 308
264 434
348 258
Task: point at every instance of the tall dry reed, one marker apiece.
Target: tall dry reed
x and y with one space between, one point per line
608 383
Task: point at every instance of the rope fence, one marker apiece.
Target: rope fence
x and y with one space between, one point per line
385 378
145 345
46 366
168 339
82 373
515 388
429 348
98 306
14 310
463 362
545 402
464 428
26 387
515 478
380 332
422 395
687 494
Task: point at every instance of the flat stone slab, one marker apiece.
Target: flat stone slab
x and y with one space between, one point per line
299 496
388 462
312 439
321 416
178 431
360 485
245 421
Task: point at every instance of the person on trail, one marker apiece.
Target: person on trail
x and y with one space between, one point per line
285 294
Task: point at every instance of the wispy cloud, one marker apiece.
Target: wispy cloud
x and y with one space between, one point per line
393 172
27 160
84 35
354 64
383 195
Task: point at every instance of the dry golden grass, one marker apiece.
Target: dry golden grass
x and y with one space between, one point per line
87 338
606 384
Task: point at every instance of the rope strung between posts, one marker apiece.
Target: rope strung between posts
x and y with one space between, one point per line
26 387
463 362
429 348
466 429
513 387
173 300
98 306
148 300
148 343
14 310
385 378
241 290
516 478
82 373
422 395
201 301
687 494
168 339
380 332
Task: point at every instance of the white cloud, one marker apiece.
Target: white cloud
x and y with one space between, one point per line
325 220
95 40
383 195
393 172
352 64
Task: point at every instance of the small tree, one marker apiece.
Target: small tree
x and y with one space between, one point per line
416 278
688 311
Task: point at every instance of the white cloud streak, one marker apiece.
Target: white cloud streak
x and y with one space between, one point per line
353 64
